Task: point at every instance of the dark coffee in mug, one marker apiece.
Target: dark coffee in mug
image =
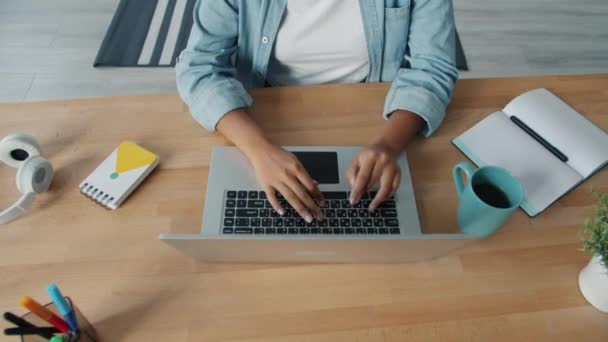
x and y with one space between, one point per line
487 197
492 195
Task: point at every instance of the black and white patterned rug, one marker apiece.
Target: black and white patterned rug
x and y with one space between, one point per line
146 33
152 33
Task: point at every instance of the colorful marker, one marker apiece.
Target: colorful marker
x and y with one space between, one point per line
44 313
62 305
57 339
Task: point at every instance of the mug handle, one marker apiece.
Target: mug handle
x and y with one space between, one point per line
468 171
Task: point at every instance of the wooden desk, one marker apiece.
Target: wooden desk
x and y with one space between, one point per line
520 284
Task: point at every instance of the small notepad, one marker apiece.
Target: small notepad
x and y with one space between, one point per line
114 179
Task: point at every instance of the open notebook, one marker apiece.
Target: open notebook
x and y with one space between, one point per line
542 141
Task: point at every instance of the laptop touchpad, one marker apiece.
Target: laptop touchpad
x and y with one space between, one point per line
321 166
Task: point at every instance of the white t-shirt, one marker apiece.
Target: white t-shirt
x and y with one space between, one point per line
319 41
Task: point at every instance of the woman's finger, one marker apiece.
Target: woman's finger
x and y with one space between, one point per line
351 172
304 197
271 196
311 186
375 177
295 202
396 181
386 187
361 180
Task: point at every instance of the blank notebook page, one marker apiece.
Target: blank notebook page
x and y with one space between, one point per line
585 144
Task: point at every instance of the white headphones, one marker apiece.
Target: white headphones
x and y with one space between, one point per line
34 174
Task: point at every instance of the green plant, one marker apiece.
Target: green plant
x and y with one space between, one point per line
594 233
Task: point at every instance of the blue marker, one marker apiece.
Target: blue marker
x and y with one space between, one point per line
62 305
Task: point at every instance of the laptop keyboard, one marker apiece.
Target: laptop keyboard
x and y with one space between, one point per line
248 212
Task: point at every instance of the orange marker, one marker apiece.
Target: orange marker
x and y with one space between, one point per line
44 313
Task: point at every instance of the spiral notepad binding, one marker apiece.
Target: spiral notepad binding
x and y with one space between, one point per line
96 195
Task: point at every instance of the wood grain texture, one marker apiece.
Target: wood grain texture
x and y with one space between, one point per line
518 285
57 42
15 86
540 37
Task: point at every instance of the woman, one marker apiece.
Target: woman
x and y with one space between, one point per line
239 44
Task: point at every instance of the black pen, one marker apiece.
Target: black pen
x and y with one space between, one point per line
42 331
540 139
22 323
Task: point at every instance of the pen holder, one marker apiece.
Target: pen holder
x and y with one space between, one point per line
86 332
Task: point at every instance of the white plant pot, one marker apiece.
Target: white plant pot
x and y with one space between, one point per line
593 282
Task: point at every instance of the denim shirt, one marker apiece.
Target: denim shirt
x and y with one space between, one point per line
411 43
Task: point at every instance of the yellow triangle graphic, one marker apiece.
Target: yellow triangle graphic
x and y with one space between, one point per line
131 156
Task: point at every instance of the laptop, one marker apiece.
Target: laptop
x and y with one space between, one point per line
239 224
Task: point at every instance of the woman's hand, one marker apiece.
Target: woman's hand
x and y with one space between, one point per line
376 163
279 170
275 168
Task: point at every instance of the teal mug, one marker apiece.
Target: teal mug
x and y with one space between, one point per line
490 196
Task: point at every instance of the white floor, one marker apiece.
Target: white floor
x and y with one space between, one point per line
47 47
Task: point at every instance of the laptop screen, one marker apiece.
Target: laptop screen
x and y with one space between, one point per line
321 166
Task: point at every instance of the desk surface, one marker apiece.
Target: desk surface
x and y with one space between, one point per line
519 284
